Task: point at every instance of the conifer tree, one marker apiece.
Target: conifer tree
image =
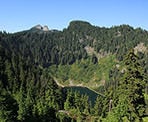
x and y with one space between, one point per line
129 95
98 106
8 108
22 112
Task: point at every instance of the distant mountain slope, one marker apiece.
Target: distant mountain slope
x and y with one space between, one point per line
43 48
35 64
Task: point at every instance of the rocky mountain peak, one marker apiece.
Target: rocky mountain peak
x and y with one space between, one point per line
38 27
45 28
42 28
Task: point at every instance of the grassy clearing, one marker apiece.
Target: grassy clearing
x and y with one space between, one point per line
84 72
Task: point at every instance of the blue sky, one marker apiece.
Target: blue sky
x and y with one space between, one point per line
18 15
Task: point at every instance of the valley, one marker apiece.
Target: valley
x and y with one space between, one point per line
73 74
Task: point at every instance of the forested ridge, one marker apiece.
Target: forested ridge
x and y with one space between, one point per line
111 61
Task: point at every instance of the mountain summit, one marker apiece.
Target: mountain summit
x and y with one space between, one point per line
45 28
41 28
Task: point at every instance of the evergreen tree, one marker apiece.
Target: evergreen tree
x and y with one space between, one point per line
22 112
129 94
69 101
98 106
8 108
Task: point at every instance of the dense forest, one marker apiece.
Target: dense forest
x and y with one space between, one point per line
38 70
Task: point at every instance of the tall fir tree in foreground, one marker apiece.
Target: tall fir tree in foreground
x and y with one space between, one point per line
130 104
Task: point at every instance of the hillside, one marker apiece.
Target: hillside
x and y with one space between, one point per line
80 55
80 41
